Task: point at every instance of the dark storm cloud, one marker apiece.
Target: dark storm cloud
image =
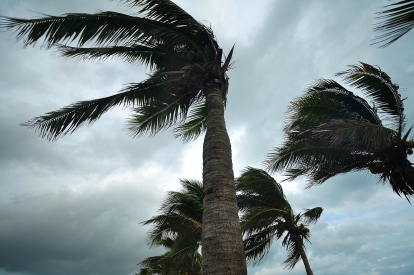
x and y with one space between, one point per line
69 233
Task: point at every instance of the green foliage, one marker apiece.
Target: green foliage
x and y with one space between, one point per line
267 215
160 36
396 20
178 229
330 131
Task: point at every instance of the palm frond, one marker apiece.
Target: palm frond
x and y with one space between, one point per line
326 99
169 13
257 185
258 244
194 126
156 57
293 252
102 29
259 218
352 135
58 123
311 215
163 113
377 85
396 21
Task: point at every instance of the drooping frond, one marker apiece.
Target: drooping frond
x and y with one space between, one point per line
292 247
61 122
195 124
164 112
257 245
377 85
396 20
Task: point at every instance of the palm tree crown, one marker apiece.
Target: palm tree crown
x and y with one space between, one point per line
178 229
397 20
330 131
181 52
187 89
267 215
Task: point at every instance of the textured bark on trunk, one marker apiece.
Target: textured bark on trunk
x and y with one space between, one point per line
303 256
222 243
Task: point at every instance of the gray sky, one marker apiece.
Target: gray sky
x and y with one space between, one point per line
74 206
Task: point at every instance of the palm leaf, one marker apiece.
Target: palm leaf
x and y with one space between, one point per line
396 20
194 126
156 57
101 29
293 251
66 120
378 86
326 99
257 185
311 215
258 244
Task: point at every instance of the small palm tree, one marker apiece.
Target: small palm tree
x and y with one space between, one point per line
186 89
330 131
397 20
178 229
267 215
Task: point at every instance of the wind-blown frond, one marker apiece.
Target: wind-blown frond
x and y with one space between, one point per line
312 215
257 245
326 99
194 126
377 85
161 114
255 185
292 247
156 57
330 131
66 120
178 229
267 216
396 20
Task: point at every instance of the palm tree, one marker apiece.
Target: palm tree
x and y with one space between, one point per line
397 20
267 215
178 229
330 131
186 89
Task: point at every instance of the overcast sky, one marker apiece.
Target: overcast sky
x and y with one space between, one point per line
74 206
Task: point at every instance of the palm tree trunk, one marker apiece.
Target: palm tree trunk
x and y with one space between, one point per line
303 256
222 243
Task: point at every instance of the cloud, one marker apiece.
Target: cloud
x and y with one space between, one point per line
74 206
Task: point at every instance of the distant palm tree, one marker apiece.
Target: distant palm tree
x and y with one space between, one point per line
268 215
187 89
397 20
178 229
330 131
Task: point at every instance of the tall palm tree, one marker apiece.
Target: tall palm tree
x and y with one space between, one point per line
396 21
187 89
268 215
330 131
177 228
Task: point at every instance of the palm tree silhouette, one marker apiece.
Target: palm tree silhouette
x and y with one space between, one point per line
186 89
331 131
268 215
